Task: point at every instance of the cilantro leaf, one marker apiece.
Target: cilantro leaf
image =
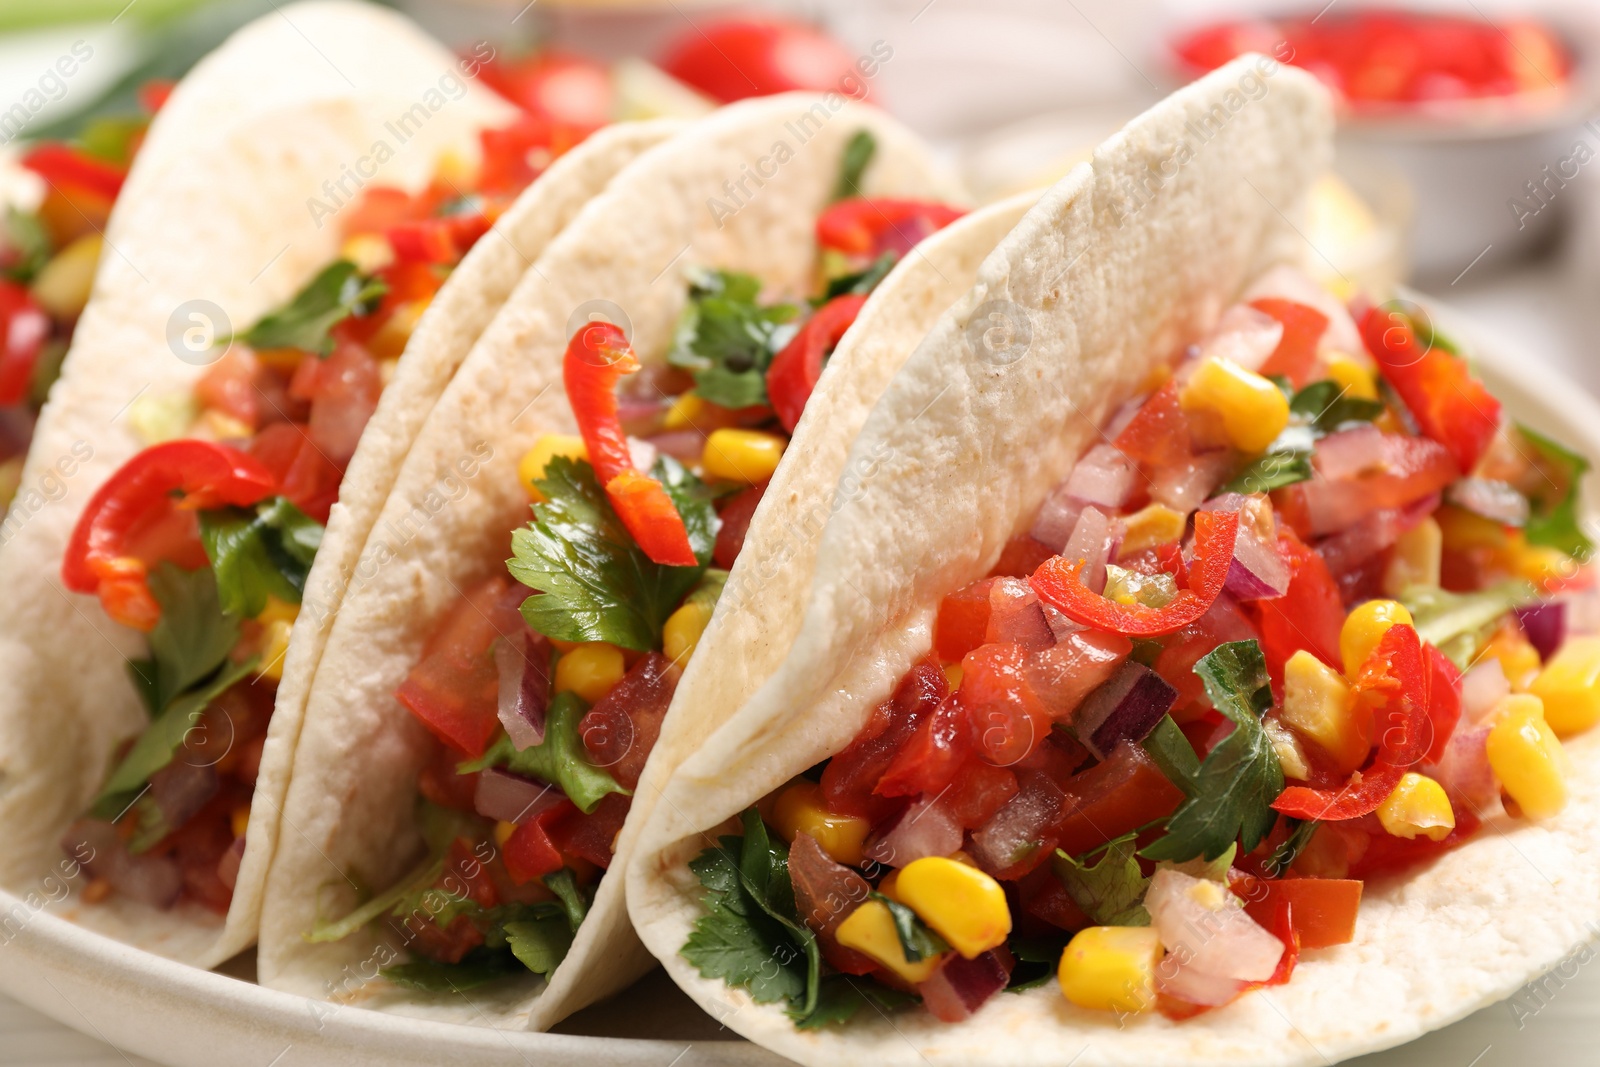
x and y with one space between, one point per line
1037 959
1239 778
1172 753
1108 892
727 341
539 944
597 584
258 552
1553 517
192 638
1327 407
1455 622
478 967
559 759
917 942
858 153
1269 471
27 244
338 291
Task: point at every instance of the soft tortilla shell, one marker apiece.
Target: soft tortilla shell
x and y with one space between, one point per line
457 499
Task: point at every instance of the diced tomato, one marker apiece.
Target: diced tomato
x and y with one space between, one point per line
1307 617
592 837
347 389
998 695
979 790
1122 793
305 476
439 782
1322 910
1296 354
558 86
849 780
229 386
1042 896
735 58
865 228
962 621
1449 404
1020 558
1411 469
198 845
24 328
1387 854
620 731
1158 434
736 515
529 852
1062 675
1222 623
930 758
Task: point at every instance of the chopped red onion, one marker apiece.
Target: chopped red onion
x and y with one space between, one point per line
181 789
1126 708
1492 499
1079 663
1244 335
1123 415
643 453
1483 687
1465 774
156 880
1185 487
924 829
507 797
1206 926
1545 626
961 986
1016 615
1348 453
1583 610
1061 627
825 892
1188 983
523 660
1103 477
1011 837
1375 531
1091 541
1290 283
685 446
1258 570
1058 515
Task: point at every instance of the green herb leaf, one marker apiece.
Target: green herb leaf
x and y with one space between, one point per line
559 759
1239 778
1553 515
29 244
564 884
1318 409
338 291
727 340
1173 754
477 968
861 282
193 637
540 944
1283 857
917 942
1327 407
1458 622
258 552
1110 891
1269 471
1037 960
858 153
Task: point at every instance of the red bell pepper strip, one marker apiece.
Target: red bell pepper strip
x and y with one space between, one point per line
23 329
1397 674
1296 353
870 226
795 370
205 474
1449 404
64 166
597 356
1059 584
1444 702
1309 614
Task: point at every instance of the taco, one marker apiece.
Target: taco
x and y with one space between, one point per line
205 484
1200 631
481 741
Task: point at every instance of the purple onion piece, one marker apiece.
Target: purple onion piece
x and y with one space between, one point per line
1092 541
507 797
147 879
923 829
1126 708
523 661
1545 625
181 789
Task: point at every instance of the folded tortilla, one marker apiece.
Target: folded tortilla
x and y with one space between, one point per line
218 208
352 798
1119 265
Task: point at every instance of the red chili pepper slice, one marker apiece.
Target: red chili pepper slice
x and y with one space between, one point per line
23 329
1058 583
62 165
1397 673
795 370
870 226
597 356
203 474
1296 353
1449 404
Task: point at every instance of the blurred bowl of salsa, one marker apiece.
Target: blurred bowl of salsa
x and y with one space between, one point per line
1482 114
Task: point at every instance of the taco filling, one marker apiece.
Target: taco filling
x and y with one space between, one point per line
1312 612
545 707
203 540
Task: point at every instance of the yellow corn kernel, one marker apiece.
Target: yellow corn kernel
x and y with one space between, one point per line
1319 706
537 458
503 832
239 820
1461 530
591 670
62 286
745 456
1416 559
277 610
1417 807
1364 627
680 634
220 426
1111 968
1526 757
370 252
965 905
870 930
1251 409
1519 660
687 410
1539 564
953 673
801 809
1353 376
1150 526
1569 686
274 646
1286 743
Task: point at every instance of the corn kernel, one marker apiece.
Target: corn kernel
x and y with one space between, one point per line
965 905
680 634
1416 559
591 670
1417 807
1286 744
1539 564
686 411
1252 410
1526 757
370 252
533 462
1462 531
801 809
870 930
1150 526
953 673
503 831
239 820
278 610
1111 968
1364 627
1569 686
63 284
274 647
1519 660
1319 706
744 456
1353 376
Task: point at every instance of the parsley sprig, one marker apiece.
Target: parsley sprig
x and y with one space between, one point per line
338 291
727 340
